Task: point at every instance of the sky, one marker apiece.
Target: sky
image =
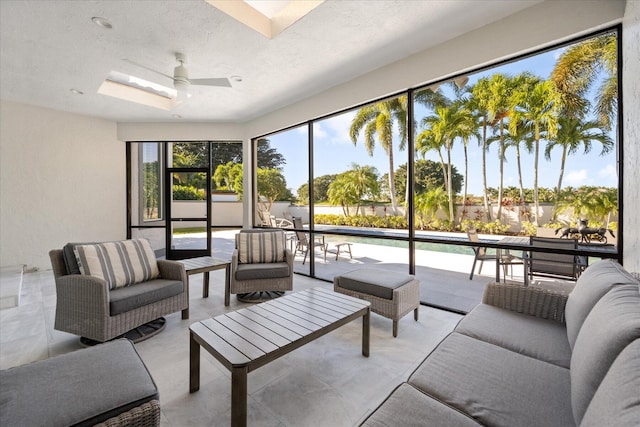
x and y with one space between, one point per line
334 152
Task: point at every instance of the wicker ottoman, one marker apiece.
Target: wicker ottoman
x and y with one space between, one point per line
392 295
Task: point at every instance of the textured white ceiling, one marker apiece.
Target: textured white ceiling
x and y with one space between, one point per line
50 47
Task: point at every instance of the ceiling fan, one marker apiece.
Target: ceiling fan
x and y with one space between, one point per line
181 80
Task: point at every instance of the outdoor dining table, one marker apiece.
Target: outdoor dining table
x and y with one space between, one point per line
524 243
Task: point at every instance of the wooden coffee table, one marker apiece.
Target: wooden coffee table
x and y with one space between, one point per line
247 339
204 265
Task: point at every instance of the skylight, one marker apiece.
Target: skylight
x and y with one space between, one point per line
268 17
134 89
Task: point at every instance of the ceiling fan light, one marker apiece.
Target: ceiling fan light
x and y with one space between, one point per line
181 85
182 95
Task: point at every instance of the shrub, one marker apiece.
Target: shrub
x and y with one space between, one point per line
495 227
187 192
528 228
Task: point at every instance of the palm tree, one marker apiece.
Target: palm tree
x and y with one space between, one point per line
498 109
577 70
379 119
427 205
363 180
515 140
537 105
478 102
441 130
342 192
468 128
573 133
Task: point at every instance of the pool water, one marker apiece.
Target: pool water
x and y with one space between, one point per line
424 246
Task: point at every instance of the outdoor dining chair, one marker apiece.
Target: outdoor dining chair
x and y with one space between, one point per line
504 257
303 244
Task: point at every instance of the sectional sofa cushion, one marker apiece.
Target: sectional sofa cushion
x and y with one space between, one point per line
494 385
614 322
121 263
618 397
82 388
129 298
408 406
590 287
522 333
263 247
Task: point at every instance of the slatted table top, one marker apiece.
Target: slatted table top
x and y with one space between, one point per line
258 334
202 264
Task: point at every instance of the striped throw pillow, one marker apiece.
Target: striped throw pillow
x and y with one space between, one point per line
119 263
264 247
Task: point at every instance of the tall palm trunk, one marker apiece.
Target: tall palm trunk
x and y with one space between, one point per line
466 174
562 163
559 186
452 217
518 160
392 186
484 169
501 154
535 174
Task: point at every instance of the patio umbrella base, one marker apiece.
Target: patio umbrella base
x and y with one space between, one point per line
259 296
136 335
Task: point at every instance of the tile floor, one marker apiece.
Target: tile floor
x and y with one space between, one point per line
325 383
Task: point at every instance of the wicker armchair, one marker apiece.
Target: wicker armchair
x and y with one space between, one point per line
83 302
261 277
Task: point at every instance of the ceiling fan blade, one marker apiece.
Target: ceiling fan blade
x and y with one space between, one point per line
147 68
221 82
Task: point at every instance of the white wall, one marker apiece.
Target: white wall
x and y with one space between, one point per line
631 130
63 179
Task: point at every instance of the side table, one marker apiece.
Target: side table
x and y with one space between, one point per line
205 265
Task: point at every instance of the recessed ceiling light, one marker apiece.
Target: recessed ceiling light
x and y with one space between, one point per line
102 22
76 91
236 78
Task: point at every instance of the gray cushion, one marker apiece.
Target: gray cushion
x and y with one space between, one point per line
69 257
494 385
262 271
84 387
591 286
617 400
379 283
529 335
128 298
407 406
613 323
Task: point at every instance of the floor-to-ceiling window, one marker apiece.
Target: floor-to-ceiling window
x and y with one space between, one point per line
526 147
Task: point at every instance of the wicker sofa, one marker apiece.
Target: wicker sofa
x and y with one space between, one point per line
527 356
87 306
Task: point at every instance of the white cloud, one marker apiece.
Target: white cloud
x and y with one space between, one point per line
335 128
318 131
608 171
577 178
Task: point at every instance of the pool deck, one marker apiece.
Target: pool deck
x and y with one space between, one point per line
444 277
